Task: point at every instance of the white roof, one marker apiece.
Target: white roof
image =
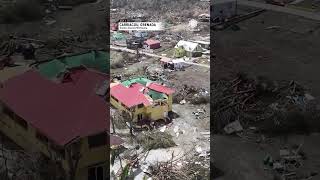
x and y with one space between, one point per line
178 61
188 46
202 42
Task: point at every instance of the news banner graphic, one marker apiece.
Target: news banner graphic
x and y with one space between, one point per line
138 26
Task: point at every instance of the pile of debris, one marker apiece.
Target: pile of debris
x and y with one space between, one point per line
17 164
183 168
155 72
288 166
275 105
192 94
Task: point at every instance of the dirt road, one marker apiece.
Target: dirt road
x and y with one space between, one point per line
305 14
151 55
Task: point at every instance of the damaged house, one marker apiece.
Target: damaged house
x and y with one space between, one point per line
145 100
65 121
173 64
151 44
189 49
134 43
60 109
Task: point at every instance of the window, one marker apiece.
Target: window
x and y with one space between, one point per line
139 117
140 106
97 140
96 173
41 137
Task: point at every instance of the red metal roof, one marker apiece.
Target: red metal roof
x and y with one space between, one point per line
129 96
62 112
160 88
152 42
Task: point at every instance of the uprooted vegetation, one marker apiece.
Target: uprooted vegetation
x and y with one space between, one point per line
191 168
274 107
192 94
155 140
119 60
119 120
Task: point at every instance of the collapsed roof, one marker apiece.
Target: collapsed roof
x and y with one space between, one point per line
139 91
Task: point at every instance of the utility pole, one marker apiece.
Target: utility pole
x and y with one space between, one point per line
137 51
236 7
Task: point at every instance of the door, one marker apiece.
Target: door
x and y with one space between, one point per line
96 173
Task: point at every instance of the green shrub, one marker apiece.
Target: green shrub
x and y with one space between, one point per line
155 140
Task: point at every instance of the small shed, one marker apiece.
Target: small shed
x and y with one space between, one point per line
134 43
178 64
151 44
173 64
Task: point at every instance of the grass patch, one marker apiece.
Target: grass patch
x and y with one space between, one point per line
155 140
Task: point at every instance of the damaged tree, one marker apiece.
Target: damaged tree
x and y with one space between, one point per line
274 106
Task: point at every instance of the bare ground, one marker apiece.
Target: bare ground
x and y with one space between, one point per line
290 53
286 53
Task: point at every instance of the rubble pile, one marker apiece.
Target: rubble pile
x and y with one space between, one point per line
191 94
155 72
288 165
196 167
17 164
275 106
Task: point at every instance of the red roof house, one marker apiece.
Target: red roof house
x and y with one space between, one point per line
160 88
60 111
129 96
152 44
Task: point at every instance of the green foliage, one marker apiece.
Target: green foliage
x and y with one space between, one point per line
125 172
179 52
155 140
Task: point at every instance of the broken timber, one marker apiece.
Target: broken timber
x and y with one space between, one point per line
238 19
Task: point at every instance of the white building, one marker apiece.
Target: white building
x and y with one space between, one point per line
192 49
